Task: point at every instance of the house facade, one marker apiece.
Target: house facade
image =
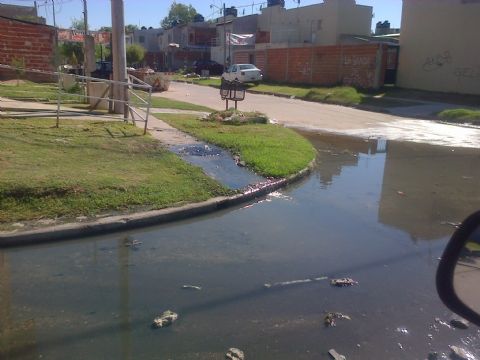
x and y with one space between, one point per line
307 45
185 43
439 46
319 24
149 39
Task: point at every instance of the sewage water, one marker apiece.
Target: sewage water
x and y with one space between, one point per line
376 211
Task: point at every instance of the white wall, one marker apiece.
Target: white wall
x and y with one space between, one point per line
440 46
320 24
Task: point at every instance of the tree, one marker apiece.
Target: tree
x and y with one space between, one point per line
77 24
105 29
102 52
130 28
178 14
72 52
135 54
19 65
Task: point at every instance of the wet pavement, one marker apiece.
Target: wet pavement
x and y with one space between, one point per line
377 211
403 124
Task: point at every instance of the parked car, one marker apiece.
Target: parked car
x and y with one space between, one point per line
213 67
243 73
103 70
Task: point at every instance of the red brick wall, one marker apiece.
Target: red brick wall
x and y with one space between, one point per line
354 65
34 43
241 58
204 36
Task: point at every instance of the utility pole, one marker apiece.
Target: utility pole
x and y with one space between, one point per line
224 39
119 57
53 11
86 72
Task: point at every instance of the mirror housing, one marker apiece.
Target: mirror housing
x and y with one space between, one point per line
446 272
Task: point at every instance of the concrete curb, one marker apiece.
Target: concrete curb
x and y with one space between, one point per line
142 219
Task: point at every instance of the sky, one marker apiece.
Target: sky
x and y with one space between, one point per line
151 12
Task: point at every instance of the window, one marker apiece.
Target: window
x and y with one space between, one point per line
141 39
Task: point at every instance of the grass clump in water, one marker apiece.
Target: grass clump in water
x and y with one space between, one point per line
270 150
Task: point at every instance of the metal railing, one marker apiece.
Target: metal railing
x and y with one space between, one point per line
128 87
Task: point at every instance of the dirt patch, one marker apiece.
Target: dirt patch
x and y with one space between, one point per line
13 82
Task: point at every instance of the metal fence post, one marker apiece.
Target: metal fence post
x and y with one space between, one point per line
58 98
148 110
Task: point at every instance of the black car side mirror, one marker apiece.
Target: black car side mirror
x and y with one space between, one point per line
458 274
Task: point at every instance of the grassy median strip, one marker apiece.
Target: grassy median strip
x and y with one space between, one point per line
164 103
88 168
461 116
270 150
30 91
342 95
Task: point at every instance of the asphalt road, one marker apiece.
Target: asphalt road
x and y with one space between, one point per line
290 112
335 119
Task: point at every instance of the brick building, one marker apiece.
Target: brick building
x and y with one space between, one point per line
306 45
356 65
185 43
32 43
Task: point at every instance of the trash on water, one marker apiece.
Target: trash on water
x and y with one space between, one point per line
294 282
459 323
166 319
331 318
191 287
451 223
343 282
461 354
335 355
234 354
441 322
402 330
133 243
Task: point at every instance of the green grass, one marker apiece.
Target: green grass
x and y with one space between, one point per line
270 150
31 91
461 116
164 103
87 168
343 95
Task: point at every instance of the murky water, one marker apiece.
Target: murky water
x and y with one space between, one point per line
218 164
375 211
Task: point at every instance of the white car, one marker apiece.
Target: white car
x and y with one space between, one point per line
243 73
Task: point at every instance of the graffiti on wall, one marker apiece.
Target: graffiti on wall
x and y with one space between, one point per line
357 60
435 62
467 73
357 77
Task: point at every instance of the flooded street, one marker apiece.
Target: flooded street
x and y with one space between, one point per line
376 211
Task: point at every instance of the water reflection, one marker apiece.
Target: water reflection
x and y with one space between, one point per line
13 331
422 186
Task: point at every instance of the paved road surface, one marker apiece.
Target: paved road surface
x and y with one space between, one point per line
332 118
